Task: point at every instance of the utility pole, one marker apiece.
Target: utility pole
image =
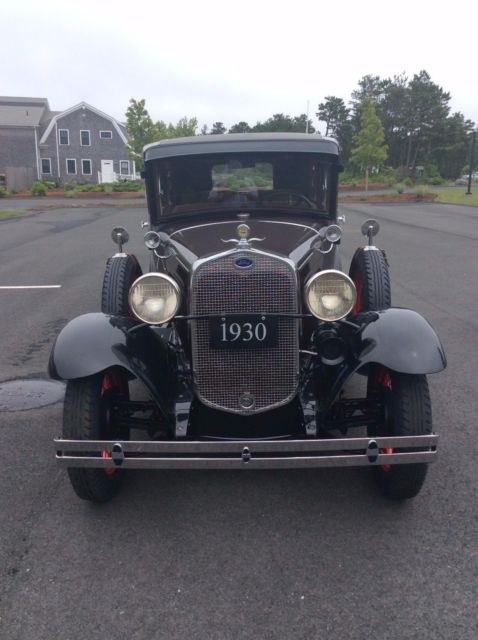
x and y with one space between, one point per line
472 161
307 121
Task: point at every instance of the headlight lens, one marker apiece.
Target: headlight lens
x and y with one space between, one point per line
154 298
330 295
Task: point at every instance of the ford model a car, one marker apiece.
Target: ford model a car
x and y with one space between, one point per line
245 330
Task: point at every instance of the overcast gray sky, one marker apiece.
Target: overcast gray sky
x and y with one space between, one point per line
231 61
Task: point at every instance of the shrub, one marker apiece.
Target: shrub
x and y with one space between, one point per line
108 188
85 188
350 178
435 180
50 184
69 186
386 175
127 185
346 177
39 189
3 192
400 188
408 182
420 194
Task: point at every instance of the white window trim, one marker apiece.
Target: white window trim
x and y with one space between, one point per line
67 144
106 131
45 173
89 137
129 168
66 165
91 167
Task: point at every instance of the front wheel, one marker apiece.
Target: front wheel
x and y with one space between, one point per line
90 414
406 412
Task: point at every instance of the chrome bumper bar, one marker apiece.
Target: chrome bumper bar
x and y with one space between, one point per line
250 454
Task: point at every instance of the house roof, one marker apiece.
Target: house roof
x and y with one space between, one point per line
241 142
82 105
22 112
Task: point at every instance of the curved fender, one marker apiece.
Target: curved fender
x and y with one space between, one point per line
94 342
402 340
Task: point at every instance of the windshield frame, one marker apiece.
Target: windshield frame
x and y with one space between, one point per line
240 199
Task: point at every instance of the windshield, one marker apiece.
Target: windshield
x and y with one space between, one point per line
285 181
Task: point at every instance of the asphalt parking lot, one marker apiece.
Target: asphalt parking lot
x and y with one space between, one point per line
226 555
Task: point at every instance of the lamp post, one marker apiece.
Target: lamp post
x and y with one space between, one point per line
472 161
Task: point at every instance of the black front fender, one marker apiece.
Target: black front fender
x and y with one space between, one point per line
94 342
402 340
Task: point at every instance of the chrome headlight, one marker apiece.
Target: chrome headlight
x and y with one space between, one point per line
154 298
330 295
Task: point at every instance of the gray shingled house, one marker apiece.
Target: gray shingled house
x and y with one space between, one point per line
81 144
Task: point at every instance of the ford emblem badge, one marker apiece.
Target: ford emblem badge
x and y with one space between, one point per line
244 263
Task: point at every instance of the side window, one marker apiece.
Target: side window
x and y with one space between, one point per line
63 136
70 166
46 166
85 138
86 167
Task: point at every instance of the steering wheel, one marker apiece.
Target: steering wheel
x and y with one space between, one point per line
280 194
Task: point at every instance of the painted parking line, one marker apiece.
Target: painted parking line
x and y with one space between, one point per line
32 286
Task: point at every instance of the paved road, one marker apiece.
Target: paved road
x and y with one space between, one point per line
222 555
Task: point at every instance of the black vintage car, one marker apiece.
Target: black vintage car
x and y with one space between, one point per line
245 330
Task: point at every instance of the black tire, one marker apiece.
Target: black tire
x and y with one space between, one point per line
120 273
407 412
88 415
369 271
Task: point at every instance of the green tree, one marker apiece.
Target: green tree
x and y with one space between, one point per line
428 112
284 123
218 128
337 123
300 124
141 129
394 114
370 150
333 112
451 149
415 115
185 127
240 127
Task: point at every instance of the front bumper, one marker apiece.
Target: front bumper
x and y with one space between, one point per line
251 454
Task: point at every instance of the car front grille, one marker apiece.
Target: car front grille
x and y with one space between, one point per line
223 376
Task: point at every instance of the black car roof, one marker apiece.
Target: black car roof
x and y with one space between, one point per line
240 143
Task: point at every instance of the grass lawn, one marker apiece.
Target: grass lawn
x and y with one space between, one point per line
13 214
457 195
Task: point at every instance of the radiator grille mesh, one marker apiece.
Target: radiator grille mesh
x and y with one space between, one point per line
268 374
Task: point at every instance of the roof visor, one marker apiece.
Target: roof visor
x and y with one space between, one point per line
241 142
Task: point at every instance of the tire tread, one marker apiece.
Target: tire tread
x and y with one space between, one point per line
412 415
120 273
372 265
81 422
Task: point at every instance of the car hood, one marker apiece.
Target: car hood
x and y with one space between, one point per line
287 238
